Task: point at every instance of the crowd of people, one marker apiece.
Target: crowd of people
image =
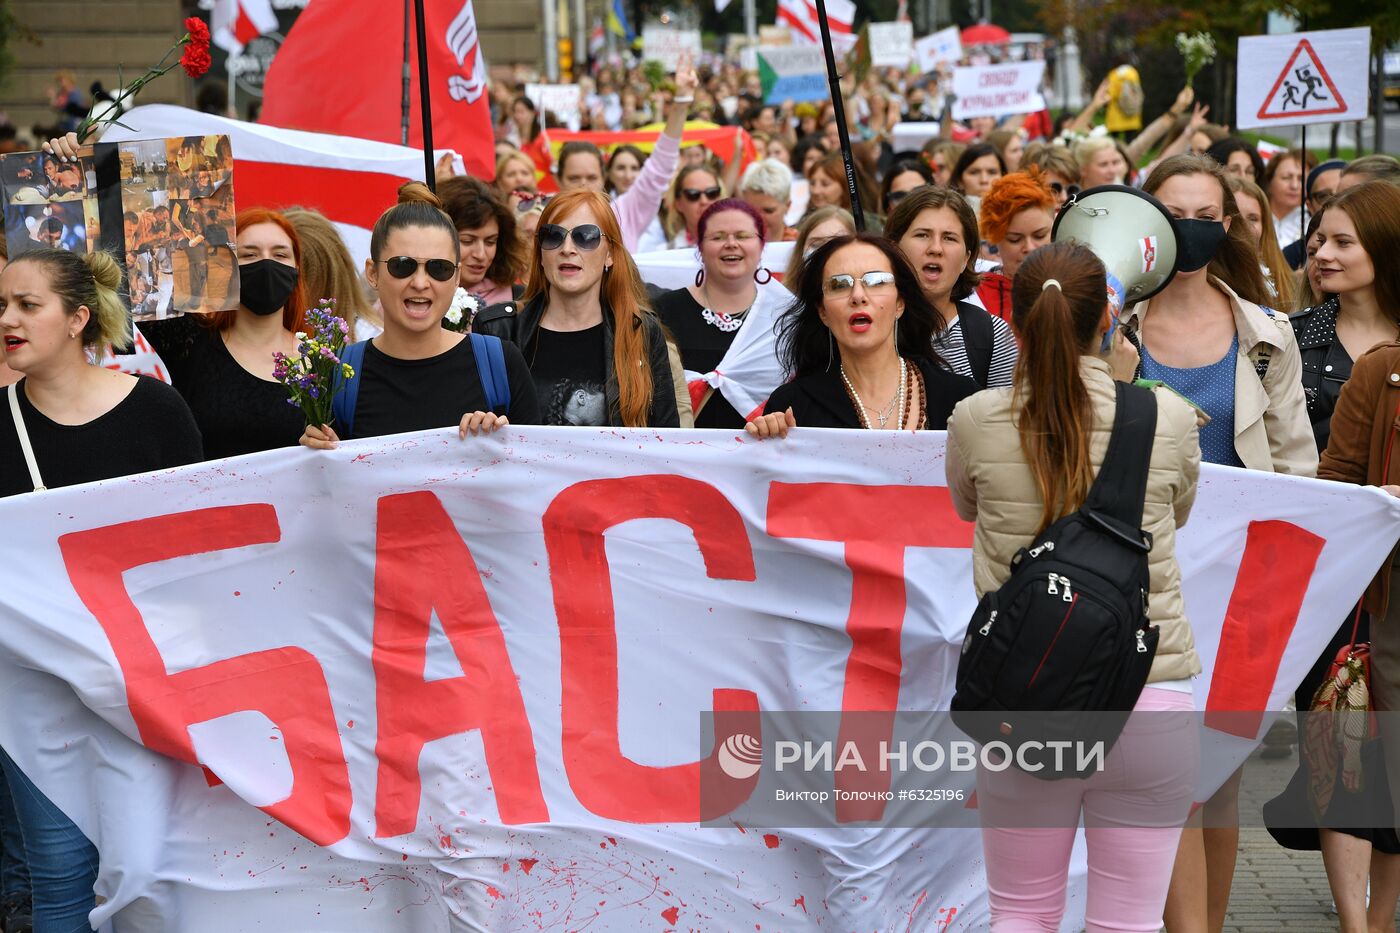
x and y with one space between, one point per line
943 306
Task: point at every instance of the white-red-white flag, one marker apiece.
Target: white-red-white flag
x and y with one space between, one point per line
235 23
800 16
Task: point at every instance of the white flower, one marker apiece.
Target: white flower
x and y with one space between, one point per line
300 335
454 314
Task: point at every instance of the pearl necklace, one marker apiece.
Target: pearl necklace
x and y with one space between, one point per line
882 417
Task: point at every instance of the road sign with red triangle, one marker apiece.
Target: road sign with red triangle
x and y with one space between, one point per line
1293 79
1303 88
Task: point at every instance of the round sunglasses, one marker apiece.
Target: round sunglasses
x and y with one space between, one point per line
403 267
1068 191
693 195
586 237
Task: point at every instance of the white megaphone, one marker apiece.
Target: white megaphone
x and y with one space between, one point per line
1131 233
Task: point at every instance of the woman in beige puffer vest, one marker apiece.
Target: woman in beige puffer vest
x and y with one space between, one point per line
1019 459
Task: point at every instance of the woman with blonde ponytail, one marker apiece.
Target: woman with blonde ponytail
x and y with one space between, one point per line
598 355
69 421
1019 459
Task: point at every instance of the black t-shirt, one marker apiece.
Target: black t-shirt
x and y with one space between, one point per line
702 346
398 396
569 376
237 412
150 429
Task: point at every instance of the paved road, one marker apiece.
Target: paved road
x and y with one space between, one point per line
1319 136
1276 889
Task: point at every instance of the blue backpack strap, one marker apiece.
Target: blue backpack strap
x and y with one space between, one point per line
343 404
491 368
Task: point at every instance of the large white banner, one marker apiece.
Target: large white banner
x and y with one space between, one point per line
456 685
1303 77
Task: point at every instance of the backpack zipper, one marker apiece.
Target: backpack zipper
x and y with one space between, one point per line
1045 657
987 626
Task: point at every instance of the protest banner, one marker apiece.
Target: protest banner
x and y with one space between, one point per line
352 181
420 684
998 90
940 48
565 101
792 72
891 44
665 44
1303 77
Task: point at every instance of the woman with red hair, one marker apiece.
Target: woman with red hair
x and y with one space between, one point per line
222 362
1018 213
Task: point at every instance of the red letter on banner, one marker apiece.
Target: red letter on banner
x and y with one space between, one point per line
877 524
285 684
422 565
603 780
1278 563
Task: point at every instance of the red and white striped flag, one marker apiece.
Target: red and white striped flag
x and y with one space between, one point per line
800 16
235 23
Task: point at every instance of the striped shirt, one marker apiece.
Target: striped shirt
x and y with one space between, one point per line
949 345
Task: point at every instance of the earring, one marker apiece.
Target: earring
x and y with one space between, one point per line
72 336
768 276
700 277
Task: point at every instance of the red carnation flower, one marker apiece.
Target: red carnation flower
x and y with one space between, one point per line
195 59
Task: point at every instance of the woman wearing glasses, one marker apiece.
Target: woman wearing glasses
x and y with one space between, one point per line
418 375
694 190
731 296
857 341
598 357
903 177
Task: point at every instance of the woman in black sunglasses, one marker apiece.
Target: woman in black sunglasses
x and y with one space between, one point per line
904 176
598 357
418 375
693 191
858 343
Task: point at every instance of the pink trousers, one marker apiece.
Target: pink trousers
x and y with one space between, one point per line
1132 811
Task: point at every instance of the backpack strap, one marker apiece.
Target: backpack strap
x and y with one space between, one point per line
977 340
491 368
343 403
1120 488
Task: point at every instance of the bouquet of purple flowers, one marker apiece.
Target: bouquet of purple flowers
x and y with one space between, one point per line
310 378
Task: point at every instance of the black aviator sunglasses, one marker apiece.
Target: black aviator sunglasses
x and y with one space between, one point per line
403 267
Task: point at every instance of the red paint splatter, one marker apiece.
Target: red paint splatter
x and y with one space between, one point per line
237 593
770 840
801 902
350 724
671 915
612 840
526 864
505 867
445 841
494 893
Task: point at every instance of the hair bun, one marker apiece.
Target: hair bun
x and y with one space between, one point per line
415 192
105 269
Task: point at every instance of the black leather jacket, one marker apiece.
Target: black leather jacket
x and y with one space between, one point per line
1326 365
519 324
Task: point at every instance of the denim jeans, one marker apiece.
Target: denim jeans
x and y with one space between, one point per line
14 870
62 862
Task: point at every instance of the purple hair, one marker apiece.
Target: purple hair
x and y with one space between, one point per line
732 204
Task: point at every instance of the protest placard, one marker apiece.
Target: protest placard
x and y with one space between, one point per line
940 48
1303 77
792 72
163 207
998 90
564 100
439 683
664 44
891 44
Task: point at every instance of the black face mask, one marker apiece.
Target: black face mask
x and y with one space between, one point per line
265 285
1197 242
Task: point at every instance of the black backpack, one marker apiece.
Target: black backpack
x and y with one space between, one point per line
1068 635
978 339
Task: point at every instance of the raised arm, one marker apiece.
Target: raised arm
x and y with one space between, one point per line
1158 128
639 205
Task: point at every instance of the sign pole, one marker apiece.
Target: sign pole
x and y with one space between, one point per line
403 126
425 96
839 105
